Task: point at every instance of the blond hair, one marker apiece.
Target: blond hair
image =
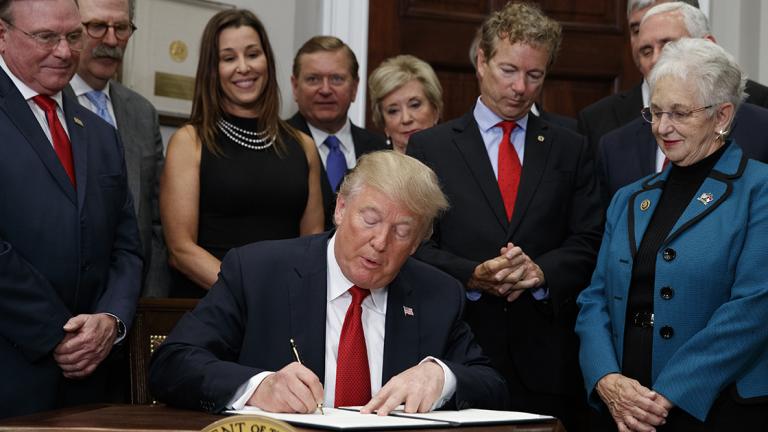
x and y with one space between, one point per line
403 179
394 73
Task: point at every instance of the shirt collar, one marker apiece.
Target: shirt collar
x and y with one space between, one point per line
645 89
338 284
487 119
80 87
345 131
26 92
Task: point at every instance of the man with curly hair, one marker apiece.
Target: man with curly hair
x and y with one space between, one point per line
524 225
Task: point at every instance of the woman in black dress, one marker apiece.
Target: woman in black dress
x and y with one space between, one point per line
236 173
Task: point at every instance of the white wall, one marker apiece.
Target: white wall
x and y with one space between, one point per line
737 27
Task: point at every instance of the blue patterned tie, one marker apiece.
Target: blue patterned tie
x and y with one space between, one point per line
99 101
336 164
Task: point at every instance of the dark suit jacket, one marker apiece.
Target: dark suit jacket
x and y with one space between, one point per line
139 129
618 109
556 221
629 152
266 296
560 120
63 251
364 141
610 113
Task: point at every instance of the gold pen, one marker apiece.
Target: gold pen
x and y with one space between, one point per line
298 359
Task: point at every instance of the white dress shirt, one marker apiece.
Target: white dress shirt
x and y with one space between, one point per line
645 89
374 320
344 136
80 87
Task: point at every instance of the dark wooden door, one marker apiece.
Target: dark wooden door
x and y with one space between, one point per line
594 60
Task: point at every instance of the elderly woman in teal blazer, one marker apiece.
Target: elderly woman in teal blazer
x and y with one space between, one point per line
674 325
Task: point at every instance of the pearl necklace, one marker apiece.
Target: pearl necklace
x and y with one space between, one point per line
246 138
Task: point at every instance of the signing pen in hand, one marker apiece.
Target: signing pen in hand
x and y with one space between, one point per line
298 359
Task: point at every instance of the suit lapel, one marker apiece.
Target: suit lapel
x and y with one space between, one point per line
308 300
538 143
469 142
77 136
120 103
715 189
401 337
641 208
646 152
19 112
628 106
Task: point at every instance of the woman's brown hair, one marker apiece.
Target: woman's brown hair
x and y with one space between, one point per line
208 99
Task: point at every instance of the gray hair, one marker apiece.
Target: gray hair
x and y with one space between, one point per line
633 5
403 179
396 72
695 21
714 72
5 10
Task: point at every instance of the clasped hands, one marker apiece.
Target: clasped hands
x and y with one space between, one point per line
87 342
507 275
633 406
297 389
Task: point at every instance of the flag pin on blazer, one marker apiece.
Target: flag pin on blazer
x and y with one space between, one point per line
407 311
78 121
706 198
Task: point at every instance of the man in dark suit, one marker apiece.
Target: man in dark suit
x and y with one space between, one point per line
355 290
70 265
630 152
325 80
523 253
618 109
109 26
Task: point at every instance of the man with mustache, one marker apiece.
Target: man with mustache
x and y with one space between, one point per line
108 27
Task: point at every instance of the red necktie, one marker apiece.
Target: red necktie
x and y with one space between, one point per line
665 163
61 143
353 378
509 168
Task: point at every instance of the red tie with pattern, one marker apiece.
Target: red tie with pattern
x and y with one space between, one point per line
353 378
509 167
61 143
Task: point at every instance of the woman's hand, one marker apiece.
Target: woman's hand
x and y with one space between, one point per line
632 406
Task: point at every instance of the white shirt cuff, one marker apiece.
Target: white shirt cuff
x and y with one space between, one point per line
246 390
449 383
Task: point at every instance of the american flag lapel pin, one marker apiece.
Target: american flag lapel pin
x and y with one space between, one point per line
407 311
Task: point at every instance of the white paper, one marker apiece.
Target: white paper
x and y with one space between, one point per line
343 419
477 416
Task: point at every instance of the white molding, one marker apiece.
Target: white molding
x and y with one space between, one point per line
348 20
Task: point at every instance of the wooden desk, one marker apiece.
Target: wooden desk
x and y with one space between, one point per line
149 418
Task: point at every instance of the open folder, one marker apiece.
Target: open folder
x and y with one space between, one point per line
350 418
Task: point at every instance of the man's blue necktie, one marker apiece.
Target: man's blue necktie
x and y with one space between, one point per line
336 163
99 101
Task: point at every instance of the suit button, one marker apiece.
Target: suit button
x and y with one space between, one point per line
667 293
666 332
669 254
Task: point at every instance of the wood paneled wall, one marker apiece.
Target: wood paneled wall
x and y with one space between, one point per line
594 60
